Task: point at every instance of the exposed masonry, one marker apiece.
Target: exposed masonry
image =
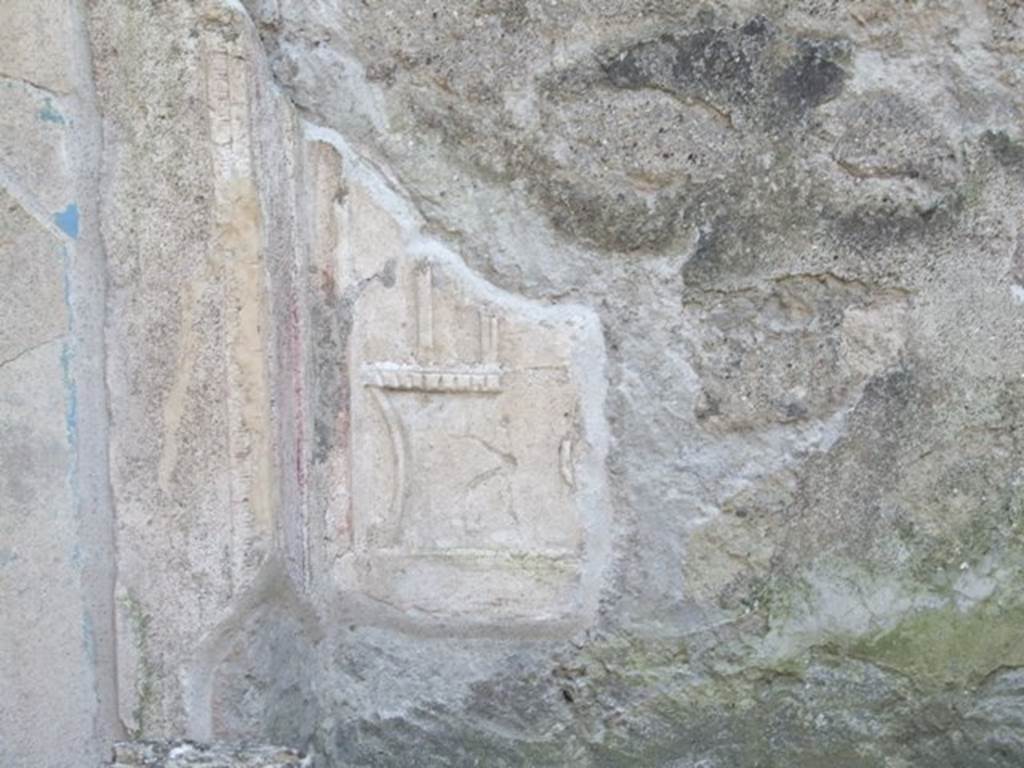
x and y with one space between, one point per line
511 384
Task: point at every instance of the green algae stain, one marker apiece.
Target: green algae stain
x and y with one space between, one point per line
949 647
637 661
145 686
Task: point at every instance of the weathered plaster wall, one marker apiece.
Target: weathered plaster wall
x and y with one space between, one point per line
58 701
514 383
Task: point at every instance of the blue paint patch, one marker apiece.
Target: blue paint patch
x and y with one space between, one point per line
67 359
88 637
50 114
67 356
71 414
67 220
7 557
76 557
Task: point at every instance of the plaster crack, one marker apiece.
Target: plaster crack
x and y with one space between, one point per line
31 84
507 458
25 352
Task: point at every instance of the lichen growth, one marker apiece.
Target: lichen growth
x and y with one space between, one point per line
145 686
950 647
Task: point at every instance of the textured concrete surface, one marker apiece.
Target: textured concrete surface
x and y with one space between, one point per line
515 383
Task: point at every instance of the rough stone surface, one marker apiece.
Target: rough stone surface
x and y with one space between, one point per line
516 383
181 754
